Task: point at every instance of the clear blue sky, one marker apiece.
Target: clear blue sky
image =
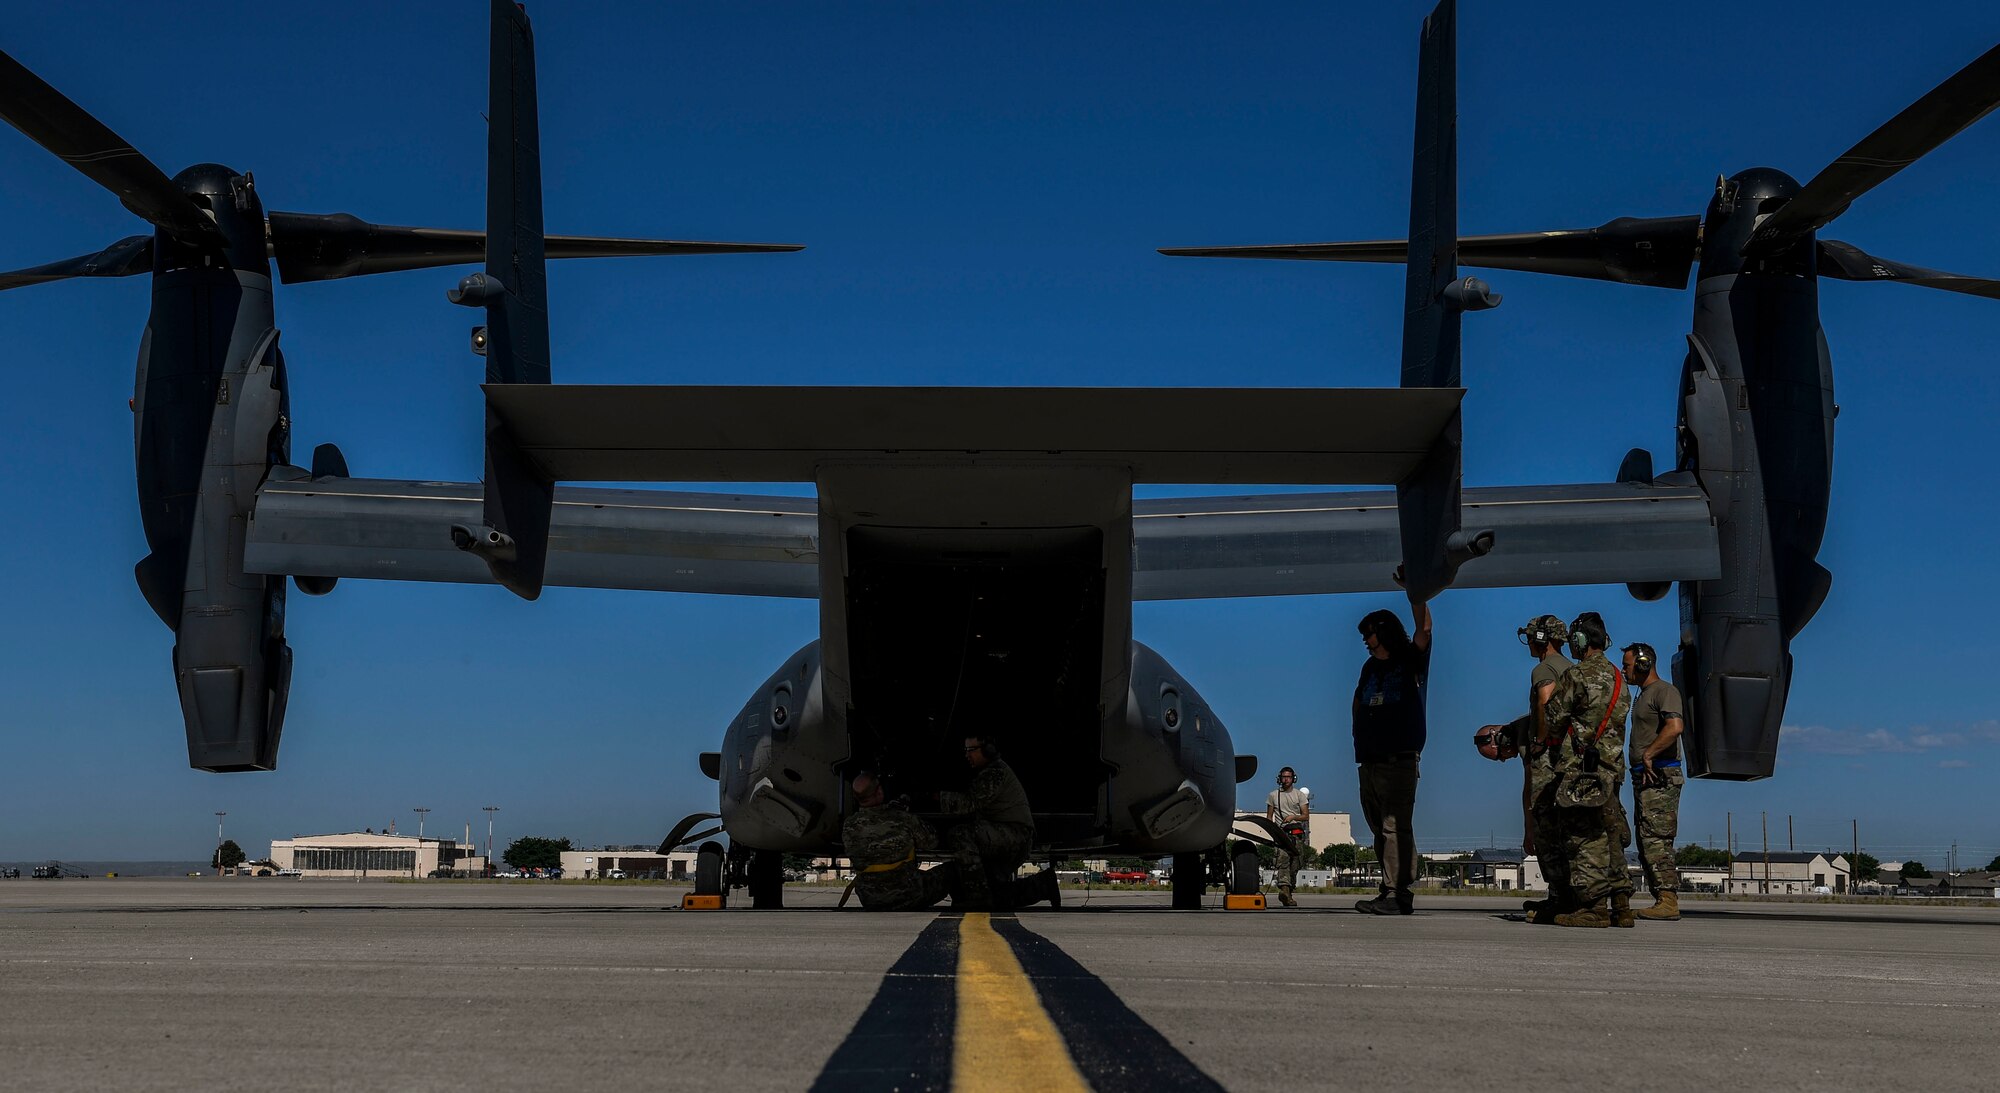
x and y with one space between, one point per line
981 189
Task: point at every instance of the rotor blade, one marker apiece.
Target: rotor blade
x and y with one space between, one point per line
1657 251
52 121
130 255
321 247
1970 94
1847 262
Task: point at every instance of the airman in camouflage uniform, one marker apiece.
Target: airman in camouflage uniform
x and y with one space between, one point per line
1594 838
1540 772
882 839
1657 720
992 840
1544 636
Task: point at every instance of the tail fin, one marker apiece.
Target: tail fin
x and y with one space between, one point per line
1434 545
519 494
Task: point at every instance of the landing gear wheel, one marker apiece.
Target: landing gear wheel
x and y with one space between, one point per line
1245 871
708 869
767 880
1190 881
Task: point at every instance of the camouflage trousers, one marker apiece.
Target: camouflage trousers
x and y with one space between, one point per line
1288 869
1658 810
907 888
1550 853
984 851
1593 842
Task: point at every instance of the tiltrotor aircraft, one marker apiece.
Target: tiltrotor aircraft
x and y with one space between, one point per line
976 551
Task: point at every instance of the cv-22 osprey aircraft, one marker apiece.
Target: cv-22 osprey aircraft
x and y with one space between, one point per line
976 551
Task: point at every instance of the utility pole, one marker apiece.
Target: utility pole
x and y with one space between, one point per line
1765 817
1729 846
420 822
1788 833
489 810
218 842
1854 863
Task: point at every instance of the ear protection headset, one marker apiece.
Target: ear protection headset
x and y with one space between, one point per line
989 749
1579 644
1545 630
1642 661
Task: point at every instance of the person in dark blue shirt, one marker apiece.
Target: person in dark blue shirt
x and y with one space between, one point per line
1389 732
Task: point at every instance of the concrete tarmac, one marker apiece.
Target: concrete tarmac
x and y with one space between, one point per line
258 984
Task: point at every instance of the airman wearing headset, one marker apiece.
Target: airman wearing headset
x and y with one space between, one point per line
1544 635
998 826
1656 777
1290 808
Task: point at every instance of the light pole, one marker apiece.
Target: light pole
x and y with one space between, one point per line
489 810
218 842
420 822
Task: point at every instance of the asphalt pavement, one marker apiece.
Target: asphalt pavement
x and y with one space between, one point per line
244 983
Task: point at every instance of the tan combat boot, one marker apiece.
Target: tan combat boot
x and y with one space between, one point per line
1666 907
1592 916
1285 897
1621 910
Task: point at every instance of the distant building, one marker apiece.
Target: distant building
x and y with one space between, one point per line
1976 885
1787 873
629 861
1702 878
364 854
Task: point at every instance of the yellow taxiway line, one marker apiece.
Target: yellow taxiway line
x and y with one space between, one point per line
1003 1039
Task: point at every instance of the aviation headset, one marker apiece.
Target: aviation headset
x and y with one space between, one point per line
1579 641
987 747
1543 630
1642 659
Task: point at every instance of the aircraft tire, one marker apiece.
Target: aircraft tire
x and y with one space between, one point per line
1245 871
708 869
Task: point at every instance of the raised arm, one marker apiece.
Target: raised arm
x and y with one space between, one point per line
1420 613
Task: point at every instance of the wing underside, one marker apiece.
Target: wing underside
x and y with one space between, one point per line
1187 548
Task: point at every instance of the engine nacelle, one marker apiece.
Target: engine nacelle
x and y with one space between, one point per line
212 419
1756 431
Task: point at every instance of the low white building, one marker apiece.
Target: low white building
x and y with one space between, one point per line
370 854
1787 873
631 862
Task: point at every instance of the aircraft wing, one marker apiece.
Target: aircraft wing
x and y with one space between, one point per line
1187 548
1298 544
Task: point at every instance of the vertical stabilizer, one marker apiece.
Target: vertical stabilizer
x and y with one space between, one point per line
1427 501
515 539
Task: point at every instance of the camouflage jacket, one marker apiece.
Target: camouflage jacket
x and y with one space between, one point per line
886 835
995 796
1577 707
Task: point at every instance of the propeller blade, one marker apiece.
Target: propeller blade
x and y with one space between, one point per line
1970 94
52 121
130 255
1847 262
1657 251
321 247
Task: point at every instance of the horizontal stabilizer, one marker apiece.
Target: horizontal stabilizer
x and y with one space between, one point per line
1657 251
321 247
1290 544
783 434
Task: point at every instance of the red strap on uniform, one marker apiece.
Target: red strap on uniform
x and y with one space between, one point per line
1616 693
